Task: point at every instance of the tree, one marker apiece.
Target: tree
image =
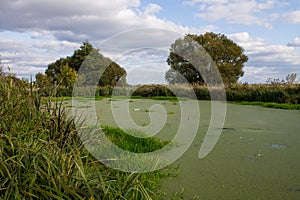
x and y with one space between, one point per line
67 76
112 75
227 55
95 61
54 69
101 70
80 55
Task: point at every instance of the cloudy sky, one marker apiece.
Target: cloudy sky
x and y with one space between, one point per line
137 34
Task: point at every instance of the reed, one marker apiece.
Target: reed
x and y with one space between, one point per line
41 156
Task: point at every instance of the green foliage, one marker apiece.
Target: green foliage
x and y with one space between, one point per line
182 71
67 76
286 93
58 91
42 81
170 98
228 56
112 75
104 91
272 105
254 93
73 61
153 91
94 63
262 93
41 156
79 55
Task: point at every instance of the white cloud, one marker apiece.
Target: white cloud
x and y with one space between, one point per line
78 20
152 9
194 2
295 42
58 27
293 17
26 58
258 75
145 65
266 60
235 11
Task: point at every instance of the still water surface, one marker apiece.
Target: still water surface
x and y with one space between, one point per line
256 157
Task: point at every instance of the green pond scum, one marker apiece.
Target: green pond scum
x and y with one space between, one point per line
256 157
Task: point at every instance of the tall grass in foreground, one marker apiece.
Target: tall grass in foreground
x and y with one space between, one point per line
41 156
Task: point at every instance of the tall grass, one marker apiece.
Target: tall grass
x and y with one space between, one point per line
41 156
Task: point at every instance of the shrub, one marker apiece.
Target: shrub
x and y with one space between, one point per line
238 92
152 90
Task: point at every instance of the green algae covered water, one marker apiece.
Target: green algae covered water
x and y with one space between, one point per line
256 157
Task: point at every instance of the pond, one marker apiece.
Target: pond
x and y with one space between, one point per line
256 157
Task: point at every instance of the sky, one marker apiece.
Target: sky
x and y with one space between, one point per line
137 34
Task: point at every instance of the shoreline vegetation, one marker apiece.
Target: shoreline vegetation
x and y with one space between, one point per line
42 157
283 106
280 96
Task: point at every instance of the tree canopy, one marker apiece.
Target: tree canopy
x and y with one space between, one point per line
226 54
65 70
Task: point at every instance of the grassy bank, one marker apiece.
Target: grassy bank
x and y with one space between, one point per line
280 93
271 105
41 156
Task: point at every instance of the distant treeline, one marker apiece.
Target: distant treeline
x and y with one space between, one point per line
281 93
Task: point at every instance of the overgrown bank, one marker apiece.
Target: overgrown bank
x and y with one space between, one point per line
284 93
41 156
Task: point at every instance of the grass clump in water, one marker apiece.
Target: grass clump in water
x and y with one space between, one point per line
133 144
